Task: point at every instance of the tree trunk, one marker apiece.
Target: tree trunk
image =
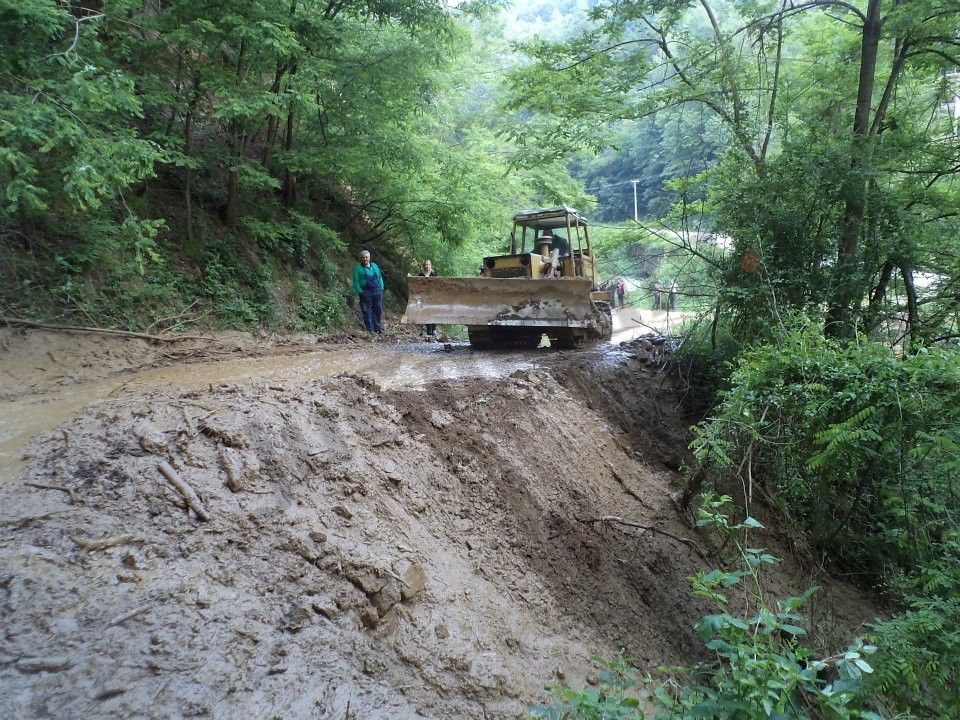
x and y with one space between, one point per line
232 209
912 339
878 294
289 181
842 316
187 181
187 151
173 108
273 122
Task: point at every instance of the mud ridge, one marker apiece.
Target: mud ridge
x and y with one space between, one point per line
367 552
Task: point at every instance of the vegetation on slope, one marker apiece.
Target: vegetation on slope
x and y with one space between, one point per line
827 185
238 153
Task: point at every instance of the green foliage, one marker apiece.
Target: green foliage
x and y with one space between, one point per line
319 311
833 182
705 359
66 117
857 445
760 669
919 666
294 239
240 293
282 134
614 698
919 661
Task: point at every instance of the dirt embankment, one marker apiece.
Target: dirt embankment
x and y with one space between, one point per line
368 552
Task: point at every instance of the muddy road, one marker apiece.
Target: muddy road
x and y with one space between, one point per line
273 528
47 379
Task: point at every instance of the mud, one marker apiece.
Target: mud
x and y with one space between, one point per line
394 530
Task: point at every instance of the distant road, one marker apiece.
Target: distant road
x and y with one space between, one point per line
632 322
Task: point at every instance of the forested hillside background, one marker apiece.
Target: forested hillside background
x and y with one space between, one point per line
239 154
796 172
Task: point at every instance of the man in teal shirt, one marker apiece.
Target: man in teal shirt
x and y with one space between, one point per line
368 284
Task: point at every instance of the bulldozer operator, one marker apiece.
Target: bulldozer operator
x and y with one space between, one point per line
553 247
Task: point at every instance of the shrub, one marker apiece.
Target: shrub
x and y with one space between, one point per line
857 446
761 669
319 311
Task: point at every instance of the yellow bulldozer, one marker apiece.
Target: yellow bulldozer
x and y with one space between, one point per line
545 285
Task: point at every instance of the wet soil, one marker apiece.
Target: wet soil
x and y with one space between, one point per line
276 528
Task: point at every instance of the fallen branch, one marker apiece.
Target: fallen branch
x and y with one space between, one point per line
646 528
44 664
21 322
61 488
129 615
17 523
233 477
103 543
189 494
152 325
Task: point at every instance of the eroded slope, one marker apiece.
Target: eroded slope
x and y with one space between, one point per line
369 553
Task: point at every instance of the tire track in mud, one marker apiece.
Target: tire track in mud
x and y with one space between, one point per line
399 551
383 552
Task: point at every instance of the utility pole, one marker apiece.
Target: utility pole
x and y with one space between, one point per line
636 218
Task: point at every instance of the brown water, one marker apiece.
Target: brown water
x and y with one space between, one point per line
392 367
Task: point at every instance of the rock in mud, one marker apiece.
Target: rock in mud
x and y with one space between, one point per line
151 438
414 580
305 547
226 432
389 623
369 617
389 596
440 418
367 579
299 618
326 609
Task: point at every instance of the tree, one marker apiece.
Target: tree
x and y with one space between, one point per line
246 138
68 142
743 64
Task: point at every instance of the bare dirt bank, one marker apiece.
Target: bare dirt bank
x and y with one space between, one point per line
399 540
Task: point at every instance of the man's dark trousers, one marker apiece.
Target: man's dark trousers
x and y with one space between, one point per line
371 305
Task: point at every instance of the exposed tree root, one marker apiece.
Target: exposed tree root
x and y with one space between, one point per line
21 322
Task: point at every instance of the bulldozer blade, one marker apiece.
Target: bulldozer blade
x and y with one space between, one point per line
509 302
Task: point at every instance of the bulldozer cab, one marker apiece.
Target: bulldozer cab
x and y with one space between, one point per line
558 232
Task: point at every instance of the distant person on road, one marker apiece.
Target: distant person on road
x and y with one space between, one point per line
674 291
368 284
621 291
426 270
658 291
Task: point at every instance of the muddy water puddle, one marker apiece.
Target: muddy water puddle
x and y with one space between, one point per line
393 367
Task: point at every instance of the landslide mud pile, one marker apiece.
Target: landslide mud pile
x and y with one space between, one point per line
365 553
